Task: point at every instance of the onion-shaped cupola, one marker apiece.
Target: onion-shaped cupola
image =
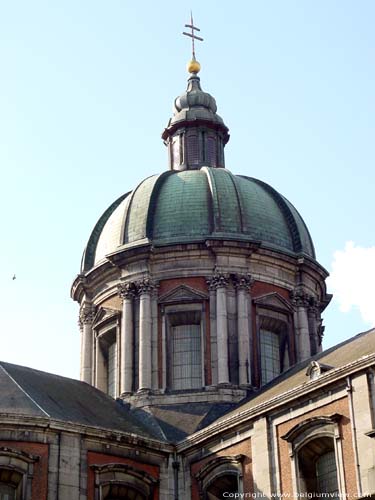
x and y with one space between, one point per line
196 134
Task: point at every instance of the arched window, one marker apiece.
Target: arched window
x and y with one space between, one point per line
16 473
121 492
122 482
315 451
221 475
7 491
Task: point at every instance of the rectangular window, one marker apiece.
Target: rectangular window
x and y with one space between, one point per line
211 151
111 367
193 150
186 357
185 349
269 355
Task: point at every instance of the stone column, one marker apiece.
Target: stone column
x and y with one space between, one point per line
86 319
126 292
243 284
300 302
221 283
145 288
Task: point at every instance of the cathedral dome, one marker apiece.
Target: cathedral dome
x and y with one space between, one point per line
193 206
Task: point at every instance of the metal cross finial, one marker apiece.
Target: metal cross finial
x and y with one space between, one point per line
192 35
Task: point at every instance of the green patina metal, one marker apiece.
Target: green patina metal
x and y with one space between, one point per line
195 205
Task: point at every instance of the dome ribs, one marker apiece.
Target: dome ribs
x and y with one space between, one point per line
153 202
285 210
88 258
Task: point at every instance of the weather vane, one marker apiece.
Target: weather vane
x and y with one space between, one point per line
193 66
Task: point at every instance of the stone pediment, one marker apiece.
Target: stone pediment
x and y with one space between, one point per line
103 315
183 293
273 300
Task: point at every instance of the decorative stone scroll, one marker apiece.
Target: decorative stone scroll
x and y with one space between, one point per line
300 298
127 290
146 285
243 281
218 281
86 315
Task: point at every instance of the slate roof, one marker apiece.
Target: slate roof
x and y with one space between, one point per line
30 392
346 352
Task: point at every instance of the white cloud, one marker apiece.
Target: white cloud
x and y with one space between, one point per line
352 280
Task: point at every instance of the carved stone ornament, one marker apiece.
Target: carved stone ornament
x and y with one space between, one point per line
146 285
127 290
243 281
300 298
321 329
217 281
86 315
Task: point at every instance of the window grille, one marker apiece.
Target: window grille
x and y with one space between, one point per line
186 357
7 492
111 370
270 355
326 473
193 149
211 151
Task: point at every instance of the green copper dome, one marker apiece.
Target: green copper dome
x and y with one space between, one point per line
196 205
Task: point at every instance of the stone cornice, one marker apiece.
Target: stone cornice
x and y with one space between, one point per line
43 423
276 402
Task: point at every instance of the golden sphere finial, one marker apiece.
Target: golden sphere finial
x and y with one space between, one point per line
193 66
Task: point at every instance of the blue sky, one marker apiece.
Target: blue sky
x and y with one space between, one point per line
85 92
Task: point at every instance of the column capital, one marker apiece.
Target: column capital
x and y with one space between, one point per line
243 281
126 290
86 315
146 285
217 281
300 298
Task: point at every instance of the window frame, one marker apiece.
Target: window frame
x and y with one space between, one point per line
312 429
168 311
218 467
23 464
123 475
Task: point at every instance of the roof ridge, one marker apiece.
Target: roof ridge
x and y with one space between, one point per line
23 390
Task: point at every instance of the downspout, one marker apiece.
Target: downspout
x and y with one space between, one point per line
349 390
176 468
58 466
